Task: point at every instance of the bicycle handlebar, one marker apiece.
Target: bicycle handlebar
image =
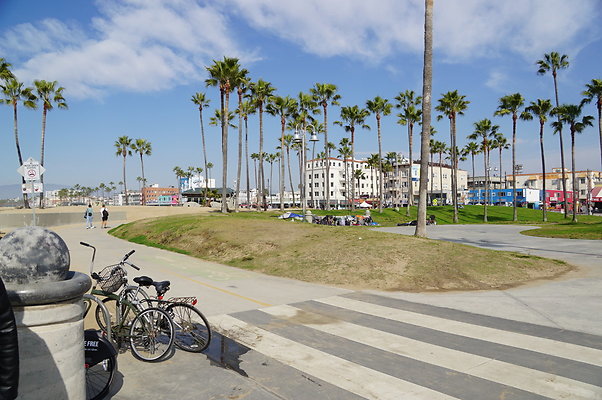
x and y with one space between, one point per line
132 265
128 255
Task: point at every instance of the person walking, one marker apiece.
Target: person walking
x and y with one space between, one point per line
104 214
9 348
89 216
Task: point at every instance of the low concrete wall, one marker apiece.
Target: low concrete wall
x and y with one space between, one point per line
47 219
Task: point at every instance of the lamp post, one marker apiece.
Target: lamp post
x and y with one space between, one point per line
299 137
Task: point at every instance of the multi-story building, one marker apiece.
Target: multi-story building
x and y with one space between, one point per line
395 182
157 196
528 198
586 181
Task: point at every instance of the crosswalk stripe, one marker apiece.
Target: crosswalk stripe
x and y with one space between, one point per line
526 379
352 377
518 340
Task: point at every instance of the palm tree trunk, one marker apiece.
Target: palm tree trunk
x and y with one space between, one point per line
143 178
239 166
501 167
125 190
16 129
599 104
290 176
261 172
327 153
352 167
204 151
574 176
44 112
472 156
453 172
566 206
514 211
486 198
431 178
441 179
283 126
543 171
224 99
427 82
247 162
311 181
410 182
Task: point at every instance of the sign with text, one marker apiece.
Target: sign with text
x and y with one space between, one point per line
37 187
31 170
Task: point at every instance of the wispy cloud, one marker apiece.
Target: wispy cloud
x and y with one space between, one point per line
464 29
136 45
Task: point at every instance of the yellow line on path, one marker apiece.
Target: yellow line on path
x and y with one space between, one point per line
261 303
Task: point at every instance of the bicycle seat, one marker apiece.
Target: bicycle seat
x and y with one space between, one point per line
143 281
161 287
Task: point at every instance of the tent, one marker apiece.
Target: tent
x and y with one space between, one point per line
363 204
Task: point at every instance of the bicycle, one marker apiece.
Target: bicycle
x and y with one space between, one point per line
149 331
192 330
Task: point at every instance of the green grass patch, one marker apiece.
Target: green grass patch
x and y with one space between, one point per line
570 230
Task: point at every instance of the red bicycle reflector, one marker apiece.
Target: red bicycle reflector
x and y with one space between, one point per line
194 302
160 297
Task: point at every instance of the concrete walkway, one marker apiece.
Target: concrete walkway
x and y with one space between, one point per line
571 302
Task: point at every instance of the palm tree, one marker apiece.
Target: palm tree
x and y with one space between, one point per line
209 168
541 109
375 163
552 62
451 105
217 118
261 91
5 73
409 115
271 158
485 131
144 148
14 93
425 137
286 144
240 81
473 149
49 94
351 117
123 144
379 107
222 74
569 114
511 105
392 159
594 91
317 127
201 100
282 107
247 109
501 143
439 148
325 94
255 157
345 153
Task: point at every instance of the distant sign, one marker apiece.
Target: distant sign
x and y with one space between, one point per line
37 187
31 170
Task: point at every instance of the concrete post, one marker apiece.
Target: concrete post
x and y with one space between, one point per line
48 307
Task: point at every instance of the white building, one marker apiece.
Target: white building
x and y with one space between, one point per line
367 187
586 181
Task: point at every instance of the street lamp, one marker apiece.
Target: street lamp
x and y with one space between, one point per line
299 137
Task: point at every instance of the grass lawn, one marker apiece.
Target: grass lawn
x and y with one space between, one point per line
569 230
352 257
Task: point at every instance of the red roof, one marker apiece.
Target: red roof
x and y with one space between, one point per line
597 194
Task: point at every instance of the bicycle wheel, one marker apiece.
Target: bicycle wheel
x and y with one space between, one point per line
151 334
99 378
100 362
192 332
126 314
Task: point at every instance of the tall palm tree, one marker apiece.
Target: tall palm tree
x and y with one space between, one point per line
511 105
473 149
216 119
317 128
552 62
325 94
201 101
594 91
222 74
286 143
271 159
570 114
352 116
485 131
540 109
282 107
345 153
240 81
14 93
451 105
439 148
379 107
410 114
49 95
144 148
375 163
123 144
261 91
425 137
247 108
501 143
209 168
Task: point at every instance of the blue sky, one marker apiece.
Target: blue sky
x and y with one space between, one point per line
130 67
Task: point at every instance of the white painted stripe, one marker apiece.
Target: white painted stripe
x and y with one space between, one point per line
527 379
519 340
352 377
